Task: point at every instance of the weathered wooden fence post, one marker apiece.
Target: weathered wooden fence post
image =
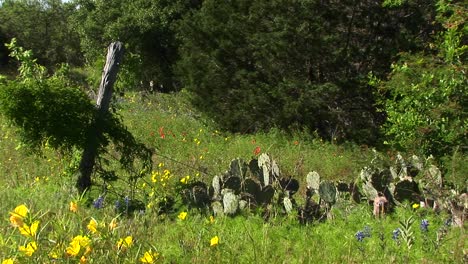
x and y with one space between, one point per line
109 75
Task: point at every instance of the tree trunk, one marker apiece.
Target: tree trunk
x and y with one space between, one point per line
109 75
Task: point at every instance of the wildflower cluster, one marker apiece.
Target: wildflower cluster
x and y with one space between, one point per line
360 235
161 176
396 234
99 202
80 246
424 225
27 226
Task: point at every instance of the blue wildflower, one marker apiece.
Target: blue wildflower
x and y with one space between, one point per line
396 234
360 236
99 202
117 205
424 225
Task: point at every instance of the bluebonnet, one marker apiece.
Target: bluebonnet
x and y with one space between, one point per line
396 234
99 202
424 225
127 201
360 235
117 205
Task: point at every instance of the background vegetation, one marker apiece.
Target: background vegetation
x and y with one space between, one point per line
321 86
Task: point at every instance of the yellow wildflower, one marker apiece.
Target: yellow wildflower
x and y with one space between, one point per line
83 260
74 248
182 215
415 206
73 207
149 257
17 216
92 226
212 220
8 261
185 179
214 241
29 231
154 176
29 249
125 243
16 221
82 240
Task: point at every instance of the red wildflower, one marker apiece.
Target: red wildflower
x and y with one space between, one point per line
161 132
257 151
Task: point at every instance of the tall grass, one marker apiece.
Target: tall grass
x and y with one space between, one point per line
188 144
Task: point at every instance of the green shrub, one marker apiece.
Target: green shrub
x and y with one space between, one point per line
425 96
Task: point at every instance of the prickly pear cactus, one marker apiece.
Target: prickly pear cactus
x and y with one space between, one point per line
238 168
218 209
216 184
327 191
233 183
264 163
230 202
313 181
288 205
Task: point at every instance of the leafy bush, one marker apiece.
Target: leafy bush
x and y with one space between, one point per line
46 109
49 111
426 95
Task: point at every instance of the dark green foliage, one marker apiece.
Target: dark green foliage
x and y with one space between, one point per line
42 26
146 29
253 65
47 111
425 97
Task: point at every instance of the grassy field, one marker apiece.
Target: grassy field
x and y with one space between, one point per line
60 226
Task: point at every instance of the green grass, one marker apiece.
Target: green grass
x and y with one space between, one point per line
193 146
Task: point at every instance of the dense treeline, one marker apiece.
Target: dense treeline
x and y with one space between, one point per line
328 67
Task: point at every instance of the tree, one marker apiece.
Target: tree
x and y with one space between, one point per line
253 65
425 96
146 26
48 110
41 25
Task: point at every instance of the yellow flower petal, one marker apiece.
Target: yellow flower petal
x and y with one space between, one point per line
74 248
18 214
73 207
16 221
92 226
8 261
214 241
125 243
82 240
21 210
149 257
29 249
29 231
182 215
